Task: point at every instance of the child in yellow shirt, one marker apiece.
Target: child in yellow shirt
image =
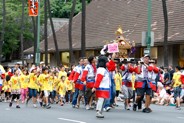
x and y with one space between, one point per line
62 89
6 88
118 82
15 88
69 86
24 81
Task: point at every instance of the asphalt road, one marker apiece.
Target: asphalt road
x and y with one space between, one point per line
66 114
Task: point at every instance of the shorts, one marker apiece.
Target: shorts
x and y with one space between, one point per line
127 92
81 93
117 93
17 91
46 93
177 92
32 92
142 91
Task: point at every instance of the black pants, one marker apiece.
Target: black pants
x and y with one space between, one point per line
15 96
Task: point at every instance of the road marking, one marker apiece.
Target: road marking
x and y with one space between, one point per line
7 109
71 120
180 117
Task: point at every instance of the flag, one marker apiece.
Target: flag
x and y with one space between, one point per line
33 7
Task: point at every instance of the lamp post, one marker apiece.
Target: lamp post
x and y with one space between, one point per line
38 37
149 26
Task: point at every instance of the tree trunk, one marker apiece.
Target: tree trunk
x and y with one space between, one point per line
45 33
58 58
165 33
21 35
83 30
3 30
72 58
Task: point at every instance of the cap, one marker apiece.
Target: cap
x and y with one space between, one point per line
42 62
147 56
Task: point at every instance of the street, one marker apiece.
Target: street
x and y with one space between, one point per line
66 114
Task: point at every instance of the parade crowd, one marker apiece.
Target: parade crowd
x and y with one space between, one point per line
95 83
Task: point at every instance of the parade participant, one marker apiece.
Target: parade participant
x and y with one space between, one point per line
62 72
2 76
118 80
111 68
15 88
127 71
88 77
32 87
177 86
62 90
69 86
47 85
51 82
6 88
142 83
102 85
76 81
77 78
24 80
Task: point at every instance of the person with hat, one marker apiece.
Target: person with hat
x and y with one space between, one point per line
102 85
143 84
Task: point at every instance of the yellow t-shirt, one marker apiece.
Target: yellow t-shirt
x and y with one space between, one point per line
55 83
68 84
24 81
41 81
62 88
6 86
133 81
47 83
176 78
118 81
33 81
15 83
62 73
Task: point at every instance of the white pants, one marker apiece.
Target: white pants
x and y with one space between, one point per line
100 104
46 93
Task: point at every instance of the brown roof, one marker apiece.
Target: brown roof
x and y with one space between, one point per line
104 16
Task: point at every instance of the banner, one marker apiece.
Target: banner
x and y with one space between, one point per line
33 7
113 48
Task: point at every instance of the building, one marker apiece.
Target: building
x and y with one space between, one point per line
104 16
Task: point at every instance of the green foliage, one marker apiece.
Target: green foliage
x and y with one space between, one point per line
62 8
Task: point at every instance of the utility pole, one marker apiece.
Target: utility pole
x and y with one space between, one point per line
38 37
45 33
83 29
3 30
149 26
21 35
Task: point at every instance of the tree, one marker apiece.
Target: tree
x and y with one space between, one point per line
58 58
72 58
164 5
3 31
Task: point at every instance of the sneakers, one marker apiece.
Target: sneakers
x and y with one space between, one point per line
107 109
34 105
87 107
134 107
17 106
99 115
10 104
146 110
48 106
178 108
